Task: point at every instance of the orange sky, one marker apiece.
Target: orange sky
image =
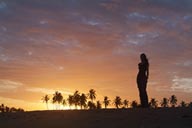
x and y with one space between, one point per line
78 45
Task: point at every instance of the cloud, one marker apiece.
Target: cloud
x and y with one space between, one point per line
91 22
7 85
45 90
4 28
43 22
139 38
3 5
182 84
139 15
187 17
187 63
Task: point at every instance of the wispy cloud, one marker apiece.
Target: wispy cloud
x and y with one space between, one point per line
8 85
46 91
187 63
182 84
3 5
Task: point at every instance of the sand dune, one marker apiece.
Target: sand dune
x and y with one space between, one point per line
123 118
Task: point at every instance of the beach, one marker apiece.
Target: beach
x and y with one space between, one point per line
111 118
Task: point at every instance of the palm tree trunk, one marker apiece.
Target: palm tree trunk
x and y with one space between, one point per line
47 106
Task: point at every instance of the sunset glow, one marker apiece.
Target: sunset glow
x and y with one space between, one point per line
68 45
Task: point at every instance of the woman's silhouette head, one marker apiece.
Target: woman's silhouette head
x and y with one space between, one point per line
143 58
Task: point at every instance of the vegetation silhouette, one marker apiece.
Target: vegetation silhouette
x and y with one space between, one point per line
83 101
106 102
70 100
142 79
183 104
99 105
76 98
92 94
64 103
134 104
173 100
46 99
164 103
91 105
118 102
57 99
86 101
153 103
126 103
6 109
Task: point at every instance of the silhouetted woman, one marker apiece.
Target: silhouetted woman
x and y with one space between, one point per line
142 78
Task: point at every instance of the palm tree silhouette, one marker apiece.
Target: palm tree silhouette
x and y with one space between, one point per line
153 103
106 101
134 104
83 100
99 106
57 98
126 103
173 100
70 100
190 105
46 99
64 103
91 105
117 102
183 104
92 94
165 102
2 108
76 97
7 109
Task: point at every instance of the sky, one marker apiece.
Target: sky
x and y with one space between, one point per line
68 45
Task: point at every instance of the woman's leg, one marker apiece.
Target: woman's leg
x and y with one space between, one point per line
145 99
143 95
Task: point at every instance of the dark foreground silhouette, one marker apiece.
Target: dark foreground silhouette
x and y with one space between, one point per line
110 118
142 78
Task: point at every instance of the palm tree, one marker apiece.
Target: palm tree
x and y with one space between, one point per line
83 100
164 103
13 109
117 102
92 94
64 103
183 104
126 103
106 101
134 104
153 103
173 100
99 106
2 108
190 105
46 99
57 98
76 98
70 100
91 105
7 109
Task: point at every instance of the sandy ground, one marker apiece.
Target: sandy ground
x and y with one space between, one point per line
123 118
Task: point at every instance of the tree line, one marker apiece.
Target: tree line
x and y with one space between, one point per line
87 101
6 109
